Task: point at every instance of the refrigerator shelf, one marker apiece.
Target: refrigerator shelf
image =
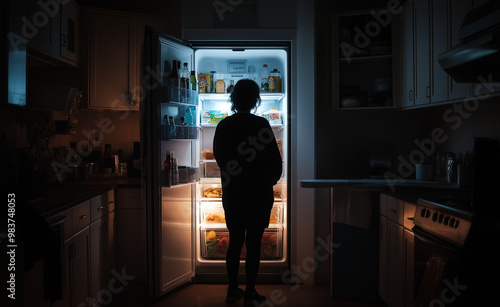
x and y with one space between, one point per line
178 104
269 97
215 125
212 212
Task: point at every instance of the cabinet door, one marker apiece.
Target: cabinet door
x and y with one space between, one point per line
408 92
458 10
422 54
96 258
80 267
382 258
70 31
67 274
43 27
112 62
439 45
109 246
409 242
395 265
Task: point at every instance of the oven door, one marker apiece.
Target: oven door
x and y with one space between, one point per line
438 274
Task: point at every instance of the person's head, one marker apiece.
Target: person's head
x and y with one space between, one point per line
245 96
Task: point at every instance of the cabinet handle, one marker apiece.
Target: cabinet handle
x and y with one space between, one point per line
410 218
132 100
392 211
111 202
83 217
100 207
64 40
410 95
428 91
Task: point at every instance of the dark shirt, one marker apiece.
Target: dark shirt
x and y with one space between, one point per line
246 151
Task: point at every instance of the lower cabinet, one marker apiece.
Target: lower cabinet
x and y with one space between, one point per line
396 251
88 257
131 233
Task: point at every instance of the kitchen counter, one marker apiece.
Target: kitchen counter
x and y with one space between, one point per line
376 184
66 195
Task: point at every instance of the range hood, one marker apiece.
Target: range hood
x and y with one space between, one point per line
478 54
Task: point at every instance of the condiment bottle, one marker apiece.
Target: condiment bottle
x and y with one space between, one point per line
264 79
230 87
167 165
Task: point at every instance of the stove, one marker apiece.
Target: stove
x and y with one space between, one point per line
449 220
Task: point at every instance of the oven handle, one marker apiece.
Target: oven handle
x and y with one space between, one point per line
433 242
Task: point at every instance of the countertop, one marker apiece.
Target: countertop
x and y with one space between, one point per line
66 195
376 184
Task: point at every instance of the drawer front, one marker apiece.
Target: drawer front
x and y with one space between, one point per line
98 207
409 214
81 216
395 210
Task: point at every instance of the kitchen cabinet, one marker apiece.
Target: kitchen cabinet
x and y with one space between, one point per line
362 61
432 28
396 251
115 42
88 255
102 247
131 232
406 64
422 55
53 32
457 11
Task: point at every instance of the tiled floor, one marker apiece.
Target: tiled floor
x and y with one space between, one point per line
213 295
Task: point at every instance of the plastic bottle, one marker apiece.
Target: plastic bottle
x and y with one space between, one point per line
171 128
167 166
192 80
230 87
164 128
264 79
175 81
273 82
189 117
182 129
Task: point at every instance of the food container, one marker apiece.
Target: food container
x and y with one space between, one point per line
212 117
213 212
215 241
274 116
210 169
208 154
187 174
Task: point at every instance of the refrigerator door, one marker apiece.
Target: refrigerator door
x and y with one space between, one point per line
170 209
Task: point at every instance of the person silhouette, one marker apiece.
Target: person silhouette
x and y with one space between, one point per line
250 163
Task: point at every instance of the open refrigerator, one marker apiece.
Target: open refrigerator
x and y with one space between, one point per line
187 235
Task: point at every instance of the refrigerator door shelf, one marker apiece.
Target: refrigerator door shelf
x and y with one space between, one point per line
214 243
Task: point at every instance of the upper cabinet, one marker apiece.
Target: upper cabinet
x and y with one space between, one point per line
430 28
116 48
53 32
362 62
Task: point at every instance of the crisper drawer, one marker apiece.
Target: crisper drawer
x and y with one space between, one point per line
214 244
213 212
